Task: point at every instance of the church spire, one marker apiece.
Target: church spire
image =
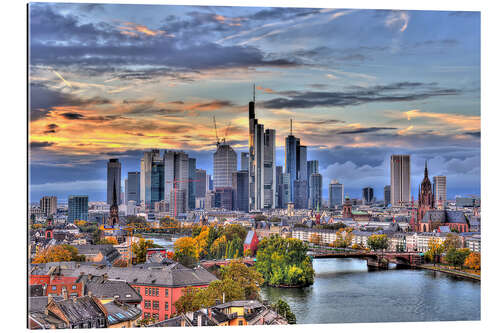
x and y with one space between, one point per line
115 202
426 173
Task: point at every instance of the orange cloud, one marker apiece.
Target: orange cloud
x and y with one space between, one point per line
267 90
132 29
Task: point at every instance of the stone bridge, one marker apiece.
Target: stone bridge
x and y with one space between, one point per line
373 259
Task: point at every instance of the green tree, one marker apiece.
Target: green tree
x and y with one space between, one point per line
452 241
140 249
246 277
435 250
456 257
284 262
283 309
233 231
378 242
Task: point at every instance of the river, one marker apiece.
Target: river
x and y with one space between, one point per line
344 291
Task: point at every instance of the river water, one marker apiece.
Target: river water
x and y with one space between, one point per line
344 291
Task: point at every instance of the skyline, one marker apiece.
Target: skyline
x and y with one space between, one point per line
120 94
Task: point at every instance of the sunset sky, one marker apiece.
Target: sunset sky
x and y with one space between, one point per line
111 81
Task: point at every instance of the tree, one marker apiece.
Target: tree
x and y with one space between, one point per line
456 257
259 217
185 251
315 238
473 261
58 253
452 241
218 248
202 244
248 278
233 231
140 249
111 241
435 250
343 238
378 242
283 309
284 262
81 223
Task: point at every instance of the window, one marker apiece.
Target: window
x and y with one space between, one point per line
146 314
73 287
147 292
147 304
166 306
240 322
156 305
157 291
156 316
54 287
166 292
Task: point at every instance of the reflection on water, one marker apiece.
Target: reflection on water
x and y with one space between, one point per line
344 291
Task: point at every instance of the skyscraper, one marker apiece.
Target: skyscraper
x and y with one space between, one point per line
400 180
201 184
367 195
157 182
300 193
48 205
279 187
177 176
302 163
78 207
335 194
192 184
240 190
134 186
146 165
315 191
292 154
114 177
439 190
244 161
312 167
270 169
225 163
387 195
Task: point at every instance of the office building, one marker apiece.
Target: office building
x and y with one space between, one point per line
302 163
367 195
192 184
439 190
312 167
225 163
177 177
224 198
78 207
335 194
287 191
279 187
295 161
315 191
387 195
177 201
201 184
300 194
240 190
157 182
269 169
244 161
114 177
133 186
145 174
400 180
48 205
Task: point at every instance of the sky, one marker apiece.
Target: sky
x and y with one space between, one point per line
113 81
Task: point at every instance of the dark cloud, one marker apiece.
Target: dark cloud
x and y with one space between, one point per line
366 130
399 92
474 134
51 128
72 115
39 145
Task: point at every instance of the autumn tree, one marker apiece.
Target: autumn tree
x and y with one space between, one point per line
246 277
185 251
473 261
315 238
378 242
452 241
140 249
58 253
218 248
233 231
436 248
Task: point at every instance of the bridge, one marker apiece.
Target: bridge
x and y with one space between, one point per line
374 259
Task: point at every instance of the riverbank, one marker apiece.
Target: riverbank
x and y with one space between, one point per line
451 271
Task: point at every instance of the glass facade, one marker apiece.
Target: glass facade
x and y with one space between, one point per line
78 208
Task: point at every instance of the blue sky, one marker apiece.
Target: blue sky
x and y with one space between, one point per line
115 80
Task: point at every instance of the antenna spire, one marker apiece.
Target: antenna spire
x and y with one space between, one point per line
254 92
291 126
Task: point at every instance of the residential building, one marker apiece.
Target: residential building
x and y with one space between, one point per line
400 180
114 179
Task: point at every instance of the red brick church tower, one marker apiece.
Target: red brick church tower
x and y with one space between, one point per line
113 210
425 202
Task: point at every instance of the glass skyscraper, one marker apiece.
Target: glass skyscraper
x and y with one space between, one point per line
335 194
78 208
114 177
134 186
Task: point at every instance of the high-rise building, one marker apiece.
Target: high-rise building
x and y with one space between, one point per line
48 205
302 163
192 184
300 193
279 187
145 174
157 182
335 194
244 161
287 191
367 195
261 152
78 207
210 183
201 184
312 167
439 190
400 180
225 163
224 198
114 177
269 169
177 176
292 155
177 201
133 188
240 190
315 191
387 195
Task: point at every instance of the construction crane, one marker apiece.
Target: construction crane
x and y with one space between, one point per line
227 128
216 136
